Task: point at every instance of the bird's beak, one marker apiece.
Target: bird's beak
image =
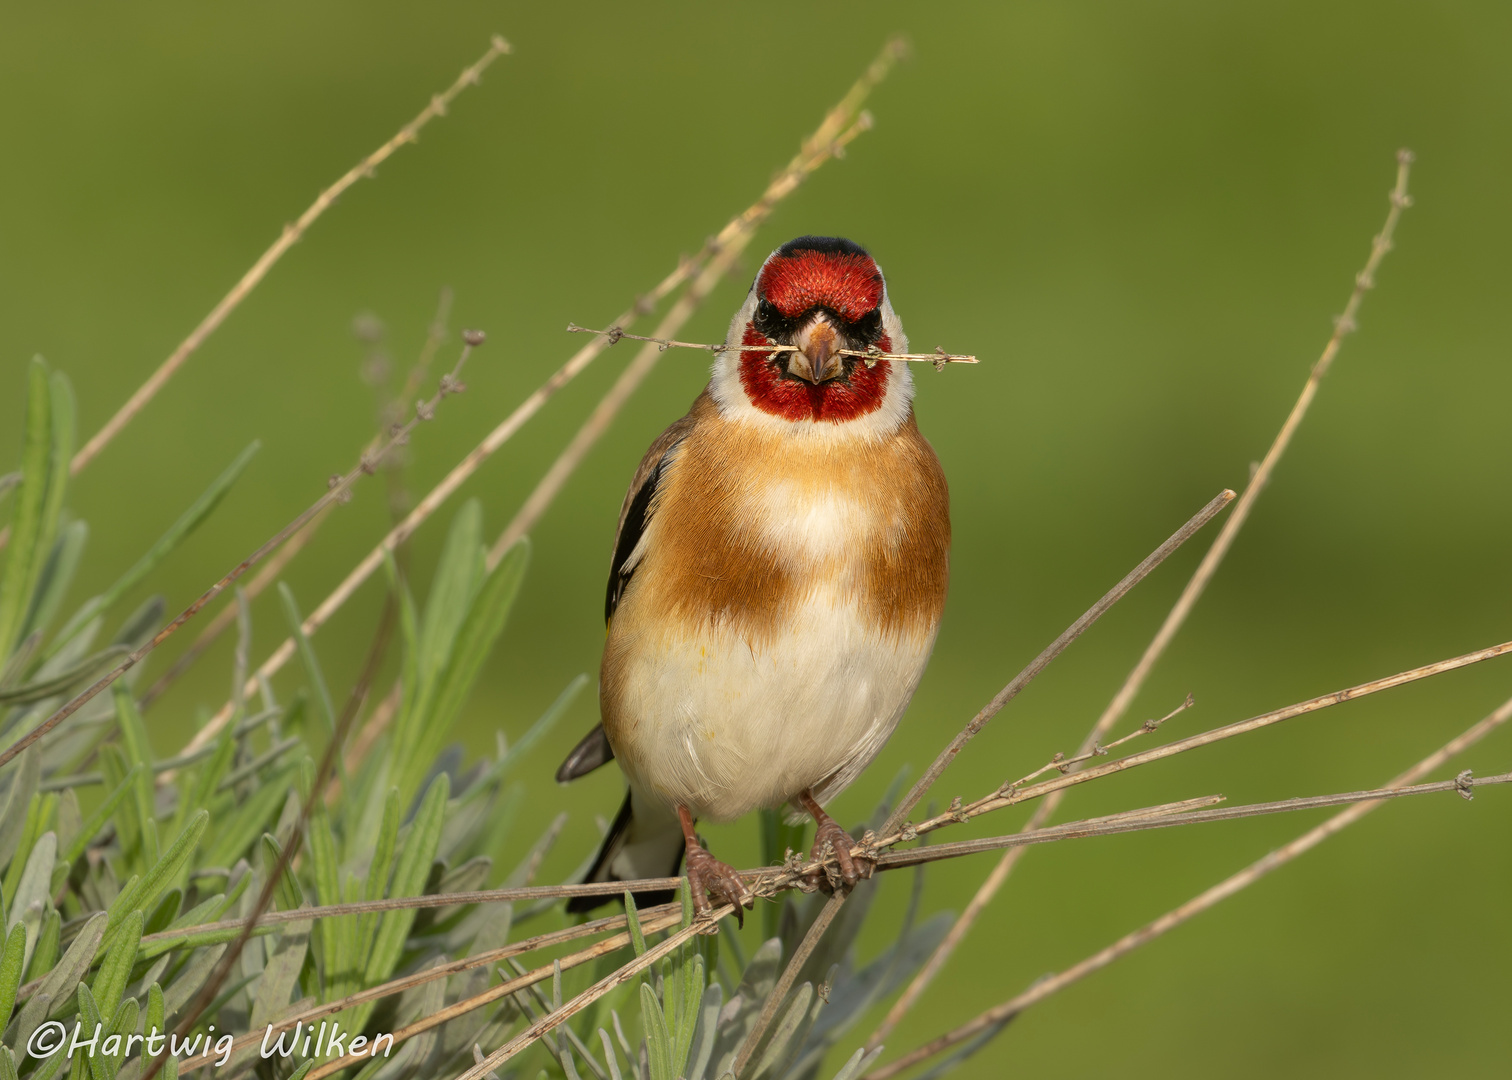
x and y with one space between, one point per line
817 359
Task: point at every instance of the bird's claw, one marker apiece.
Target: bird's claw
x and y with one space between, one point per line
708 877
848 869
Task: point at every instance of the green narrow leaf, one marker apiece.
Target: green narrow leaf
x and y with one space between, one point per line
409 880
164 913
632 920
36 880
176 534
658 1041
288 894
236 832
65 680
29 832
57 575
458 574
7 1064
107 1066
322 845
207 783
23 564
11 962
474 639
59 984
138 753
687 1014
89 1017
136 897
325 709
59 459
18 802
96 821
381 867
110 981
45 955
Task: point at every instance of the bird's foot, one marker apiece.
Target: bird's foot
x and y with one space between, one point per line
708 877
848 869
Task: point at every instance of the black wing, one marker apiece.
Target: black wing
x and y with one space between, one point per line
594 749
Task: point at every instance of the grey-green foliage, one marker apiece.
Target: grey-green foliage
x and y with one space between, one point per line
688 1020
111 868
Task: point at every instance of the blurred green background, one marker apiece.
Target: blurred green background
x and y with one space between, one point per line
1142 216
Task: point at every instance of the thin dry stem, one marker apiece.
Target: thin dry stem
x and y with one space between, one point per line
1195 587
288 238
338 490
779 992
582 1001
939 357
1054 649
1203 901
270 572
274 567
818 149
653 920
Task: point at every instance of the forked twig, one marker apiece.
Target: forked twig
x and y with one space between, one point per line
1195 906
816 150
1195 587
1051 651
939 358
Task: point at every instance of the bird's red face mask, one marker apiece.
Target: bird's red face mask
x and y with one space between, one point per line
822 297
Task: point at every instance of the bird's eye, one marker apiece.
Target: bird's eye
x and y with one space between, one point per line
868 327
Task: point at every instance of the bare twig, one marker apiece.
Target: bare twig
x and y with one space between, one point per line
840 126
1054 649
779 992
1198 904
291 235
1345 324
1009 795
939 357
687 269
271 570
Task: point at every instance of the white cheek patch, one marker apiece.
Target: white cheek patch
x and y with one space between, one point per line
734 405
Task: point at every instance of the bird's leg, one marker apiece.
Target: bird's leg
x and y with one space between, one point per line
707 876
829 833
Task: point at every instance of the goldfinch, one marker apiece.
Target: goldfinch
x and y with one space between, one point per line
779 573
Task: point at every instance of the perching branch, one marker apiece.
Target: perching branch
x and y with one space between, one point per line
1042 989
1051 651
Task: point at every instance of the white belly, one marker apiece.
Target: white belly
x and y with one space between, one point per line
718 726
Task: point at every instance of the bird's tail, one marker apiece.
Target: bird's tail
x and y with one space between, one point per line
640 844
